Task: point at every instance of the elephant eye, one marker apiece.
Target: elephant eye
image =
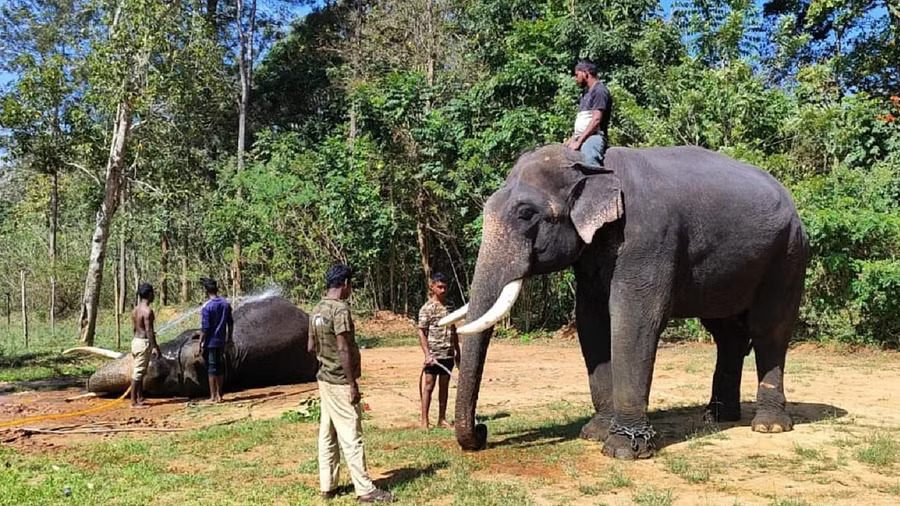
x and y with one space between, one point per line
526 213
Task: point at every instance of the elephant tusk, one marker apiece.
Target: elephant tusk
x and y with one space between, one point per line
504 303
454 317
95 351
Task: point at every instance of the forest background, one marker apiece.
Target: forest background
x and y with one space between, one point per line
164 141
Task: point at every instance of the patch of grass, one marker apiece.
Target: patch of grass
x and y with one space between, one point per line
890 489
816 461
245 463
653 497
881 449
693 368
590 490
757 461
789 501
616 478
808 453
685 469
845 442
704 437
561 405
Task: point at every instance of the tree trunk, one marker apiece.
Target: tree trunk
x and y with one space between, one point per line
429 63
94 279
121 296
164 270
391 279
212 7
24 310
245 68
184 273
355 71
118 309
135 274
422 237
54 213
406 291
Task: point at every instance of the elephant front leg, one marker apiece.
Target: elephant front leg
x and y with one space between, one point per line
592 319
637 322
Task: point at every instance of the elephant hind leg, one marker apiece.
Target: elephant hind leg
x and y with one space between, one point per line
770 322
732 344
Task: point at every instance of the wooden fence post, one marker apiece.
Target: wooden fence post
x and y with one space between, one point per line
24 309
116 289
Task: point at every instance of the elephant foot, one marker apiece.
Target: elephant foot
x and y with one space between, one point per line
630 443
719 412
475 441
597 428
771 422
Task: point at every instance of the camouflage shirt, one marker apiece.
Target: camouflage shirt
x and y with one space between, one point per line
328 319
439 343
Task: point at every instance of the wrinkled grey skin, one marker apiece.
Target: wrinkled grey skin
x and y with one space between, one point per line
269 349
662 233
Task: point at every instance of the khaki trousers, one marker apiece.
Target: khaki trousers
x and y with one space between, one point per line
140 349
340 430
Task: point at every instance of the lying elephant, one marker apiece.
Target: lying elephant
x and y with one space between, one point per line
659 233
269 349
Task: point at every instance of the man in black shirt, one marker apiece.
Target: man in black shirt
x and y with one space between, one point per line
594 110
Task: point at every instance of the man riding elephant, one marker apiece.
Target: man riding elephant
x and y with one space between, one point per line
591 135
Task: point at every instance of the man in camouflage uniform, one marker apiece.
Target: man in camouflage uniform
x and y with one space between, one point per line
331 336
441 348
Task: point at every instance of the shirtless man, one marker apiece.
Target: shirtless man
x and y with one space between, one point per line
144 340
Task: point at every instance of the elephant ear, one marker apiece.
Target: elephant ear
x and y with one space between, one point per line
595 201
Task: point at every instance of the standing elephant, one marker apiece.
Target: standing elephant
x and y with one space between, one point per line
658 233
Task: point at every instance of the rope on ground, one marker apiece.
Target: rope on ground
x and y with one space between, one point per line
59 416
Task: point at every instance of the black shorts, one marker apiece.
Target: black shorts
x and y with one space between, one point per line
214 363
435 370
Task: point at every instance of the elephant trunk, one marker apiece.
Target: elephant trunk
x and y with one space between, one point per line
471 436
499 264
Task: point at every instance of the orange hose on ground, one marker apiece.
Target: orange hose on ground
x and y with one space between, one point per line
66 415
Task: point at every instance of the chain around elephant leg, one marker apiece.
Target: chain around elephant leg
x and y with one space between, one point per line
630 443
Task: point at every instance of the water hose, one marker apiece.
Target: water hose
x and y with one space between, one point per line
66 415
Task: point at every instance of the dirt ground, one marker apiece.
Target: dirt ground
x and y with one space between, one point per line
838 401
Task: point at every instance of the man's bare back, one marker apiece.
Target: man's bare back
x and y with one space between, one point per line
142 318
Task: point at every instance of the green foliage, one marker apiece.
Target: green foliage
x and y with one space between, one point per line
378 133
309 411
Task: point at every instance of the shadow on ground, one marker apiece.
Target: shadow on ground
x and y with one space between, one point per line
404 475
397 477
673 425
